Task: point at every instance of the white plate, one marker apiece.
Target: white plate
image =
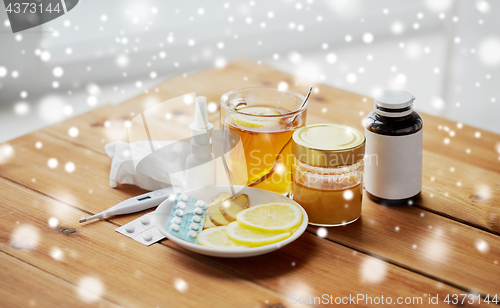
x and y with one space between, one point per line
257 196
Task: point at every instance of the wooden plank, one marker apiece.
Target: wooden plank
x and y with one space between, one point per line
311 267
467 193
23 285
348 108
334 105
345 107
427 243
109 123
54 183
88 194
131 274
328 105
117 268
456 189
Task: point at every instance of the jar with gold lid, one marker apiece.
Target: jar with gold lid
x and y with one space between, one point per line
327 173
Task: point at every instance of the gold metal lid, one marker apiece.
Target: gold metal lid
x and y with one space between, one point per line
328 145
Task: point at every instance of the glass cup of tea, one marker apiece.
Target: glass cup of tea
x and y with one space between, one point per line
265 119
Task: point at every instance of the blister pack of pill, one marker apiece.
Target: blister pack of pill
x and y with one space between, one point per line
142 230
187 217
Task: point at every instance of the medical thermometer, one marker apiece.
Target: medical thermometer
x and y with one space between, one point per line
136 204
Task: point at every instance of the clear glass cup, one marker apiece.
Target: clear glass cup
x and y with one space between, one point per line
265 119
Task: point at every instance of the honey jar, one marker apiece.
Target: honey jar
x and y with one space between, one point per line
327 173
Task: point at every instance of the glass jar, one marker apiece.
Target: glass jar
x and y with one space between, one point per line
394 137
327 173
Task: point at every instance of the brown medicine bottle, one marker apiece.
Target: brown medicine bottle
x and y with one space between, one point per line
393 161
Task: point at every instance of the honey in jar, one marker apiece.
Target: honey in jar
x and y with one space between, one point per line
327 173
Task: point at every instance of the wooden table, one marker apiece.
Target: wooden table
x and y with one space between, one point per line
448 243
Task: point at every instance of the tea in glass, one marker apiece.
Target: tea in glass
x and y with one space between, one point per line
265 119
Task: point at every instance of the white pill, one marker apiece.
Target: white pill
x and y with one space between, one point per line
130 228
198 211
145 220
192 234
179 213
194 226
184 197
196 218
177 220
175 227
200 203
147 236
181 205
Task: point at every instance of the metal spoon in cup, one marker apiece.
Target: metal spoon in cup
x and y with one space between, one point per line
303 105
265 176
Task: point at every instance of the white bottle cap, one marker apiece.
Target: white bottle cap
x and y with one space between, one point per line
394 103
200 113
201 125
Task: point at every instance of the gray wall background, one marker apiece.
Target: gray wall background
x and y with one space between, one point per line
447 53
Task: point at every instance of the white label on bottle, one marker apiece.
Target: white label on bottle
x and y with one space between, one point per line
393 165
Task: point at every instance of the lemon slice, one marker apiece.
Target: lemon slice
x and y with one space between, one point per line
217 237
271 217
259 110
253 238
255 122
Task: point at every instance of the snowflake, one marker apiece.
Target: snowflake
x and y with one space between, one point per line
53 222
69 167
57 71
25 237
56 253
322 232
368 38
331 58
21 108
373 270
45 56
482 246
90 289
181 285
